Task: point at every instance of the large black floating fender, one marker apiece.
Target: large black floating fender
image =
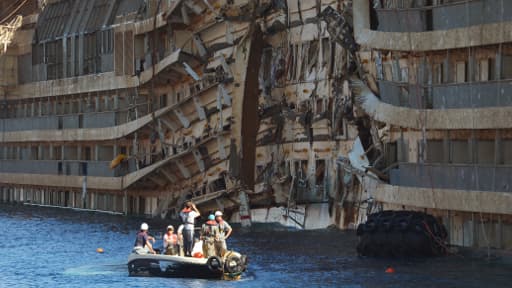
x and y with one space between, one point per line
401 234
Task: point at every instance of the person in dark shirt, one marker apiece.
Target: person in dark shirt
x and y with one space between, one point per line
143 241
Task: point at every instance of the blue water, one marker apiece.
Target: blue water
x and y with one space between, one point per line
57 248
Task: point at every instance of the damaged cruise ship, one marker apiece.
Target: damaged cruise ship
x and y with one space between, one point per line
304 113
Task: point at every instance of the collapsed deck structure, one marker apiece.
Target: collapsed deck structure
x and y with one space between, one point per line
305 113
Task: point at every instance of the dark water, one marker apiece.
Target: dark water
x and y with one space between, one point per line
57 248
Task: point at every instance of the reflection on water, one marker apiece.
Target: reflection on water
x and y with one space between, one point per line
57 248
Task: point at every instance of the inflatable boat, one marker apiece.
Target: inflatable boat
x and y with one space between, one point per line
229 267
401 234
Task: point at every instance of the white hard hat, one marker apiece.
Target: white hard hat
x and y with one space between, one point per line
218 213
144 226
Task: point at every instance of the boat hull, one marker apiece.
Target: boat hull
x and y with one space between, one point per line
150 265
171 266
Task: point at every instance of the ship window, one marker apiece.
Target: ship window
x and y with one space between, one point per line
506 148
69 57
391 153
404 74
434 151
507 67
388 74
301 168
57 153
37 152
320 105
485 152
320 171
460 72
87 154
437 71
459 152
163 100
483 67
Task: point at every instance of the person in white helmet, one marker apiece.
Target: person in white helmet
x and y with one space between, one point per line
143 241
225 231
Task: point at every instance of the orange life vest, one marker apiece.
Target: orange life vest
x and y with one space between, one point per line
173 238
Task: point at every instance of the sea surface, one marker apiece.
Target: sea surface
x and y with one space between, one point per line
42 247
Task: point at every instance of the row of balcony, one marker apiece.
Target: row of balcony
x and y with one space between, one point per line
447 96
75 168
453 176
71 121
443 17
99 119
455 25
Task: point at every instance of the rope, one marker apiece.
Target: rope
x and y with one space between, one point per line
438 241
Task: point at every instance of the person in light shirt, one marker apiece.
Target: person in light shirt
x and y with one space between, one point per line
188 216
180 240
225 231
170 241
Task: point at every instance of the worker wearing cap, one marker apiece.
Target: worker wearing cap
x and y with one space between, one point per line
225 231
170 241
143 241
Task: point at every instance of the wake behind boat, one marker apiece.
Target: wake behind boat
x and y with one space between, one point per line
229 267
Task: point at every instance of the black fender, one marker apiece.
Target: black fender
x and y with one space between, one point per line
214 263
400 234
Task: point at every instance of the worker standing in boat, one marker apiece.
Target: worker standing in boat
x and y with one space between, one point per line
180 240
188 216
225 231
210 236
143 241
170 241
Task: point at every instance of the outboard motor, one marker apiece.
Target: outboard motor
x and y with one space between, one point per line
401 234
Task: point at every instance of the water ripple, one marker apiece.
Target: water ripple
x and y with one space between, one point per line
55 248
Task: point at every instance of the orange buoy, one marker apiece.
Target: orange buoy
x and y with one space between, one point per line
390 270
100 250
